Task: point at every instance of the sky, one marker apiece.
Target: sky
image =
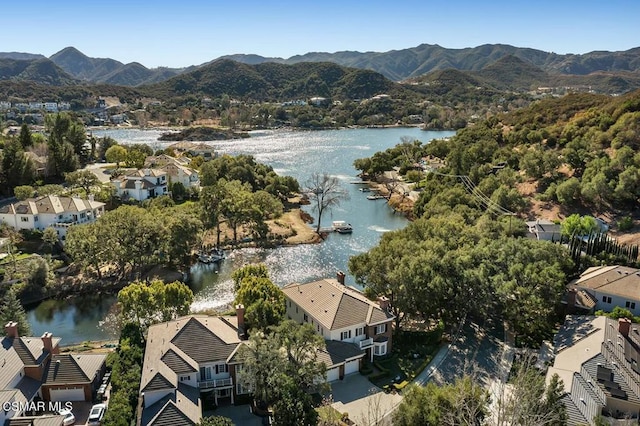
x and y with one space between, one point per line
180 33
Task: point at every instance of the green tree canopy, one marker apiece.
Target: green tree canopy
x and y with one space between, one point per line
145 304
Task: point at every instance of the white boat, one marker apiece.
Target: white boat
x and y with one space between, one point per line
342 227
365 189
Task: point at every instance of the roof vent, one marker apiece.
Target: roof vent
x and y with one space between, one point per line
311 300
57 361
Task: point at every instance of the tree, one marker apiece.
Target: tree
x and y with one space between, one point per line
145 304
256 270
50 238
116 154
264 302
12 310
25 137
527 401
282 368
84 179
325 193
216 421
17 167
461 403
236 205
178 191
23 192
578 225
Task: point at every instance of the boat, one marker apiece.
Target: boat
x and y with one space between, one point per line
342 227
375 197
365 189
215 255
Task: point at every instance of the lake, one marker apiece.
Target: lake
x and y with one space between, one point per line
294 153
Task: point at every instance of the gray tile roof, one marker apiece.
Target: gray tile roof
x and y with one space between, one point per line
574 416
64 369
158 382
334 305
337 353
201 344
51 204
180 408
176 363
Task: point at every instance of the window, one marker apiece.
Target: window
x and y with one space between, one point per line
242 388
345 335
205 373
222 368
83 215
24 219
289 303
296 309
380 349
359 331
185 378
631 305
306 318
382 328
35 218
606 299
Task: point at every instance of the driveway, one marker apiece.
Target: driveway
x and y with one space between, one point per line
239 414
99 169
365 402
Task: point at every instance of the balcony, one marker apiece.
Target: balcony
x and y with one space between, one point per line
215 383
366 343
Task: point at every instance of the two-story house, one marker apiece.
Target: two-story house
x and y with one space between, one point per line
343 314
51 211
176 168
186 357
604 288
597 360
141 184
32 367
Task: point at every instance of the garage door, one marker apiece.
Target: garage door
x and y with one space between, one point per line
69 394
352 366
333 374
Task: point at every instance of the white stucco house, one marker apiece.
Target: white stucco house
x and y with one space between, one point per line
606 287
52 211
141 184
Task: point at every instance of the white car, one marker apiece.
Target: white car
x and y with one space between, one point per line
96 414
69 418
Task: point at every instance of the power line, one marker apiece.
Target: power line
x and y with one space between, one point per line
487 203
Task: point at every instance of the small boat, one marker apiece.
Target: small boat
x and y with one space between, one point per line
342 227
365 189
375 197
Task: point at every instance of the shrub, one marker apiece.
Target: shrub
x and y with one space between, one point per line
625 223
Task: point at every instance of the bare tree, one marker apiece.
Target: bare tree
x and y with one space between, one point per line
325 192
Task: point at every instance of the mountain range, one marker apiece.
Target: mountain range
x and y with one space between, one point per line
396 65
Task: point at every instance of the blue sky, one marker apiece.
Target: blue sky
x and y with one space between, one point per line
190 32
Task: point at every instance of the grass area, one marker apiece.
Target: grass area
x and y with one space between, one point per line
330 415
18 257
412 352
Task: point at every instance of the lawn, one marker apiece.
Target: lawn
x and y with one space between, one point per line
412 352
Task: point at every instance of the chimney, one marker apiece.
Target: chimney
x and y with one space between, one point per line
47 342
624 325
11 329
91 197
572 295
384 303
340 277
240 317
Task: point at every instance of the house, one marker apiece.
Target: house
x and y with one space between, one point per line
186 359
52 211
605 287
597 360
344 314
32 368
194 149
141 184
176 169
543 229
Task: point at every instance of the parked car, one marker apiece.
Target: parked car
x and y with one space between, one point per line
96 414
69 418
